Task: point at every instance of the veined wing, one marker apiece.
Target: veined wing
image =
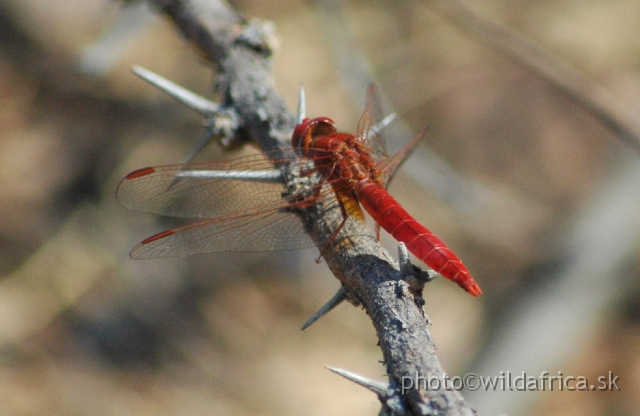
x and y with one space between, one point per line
272 230
372 115
389 166
242 199
266 228
205 190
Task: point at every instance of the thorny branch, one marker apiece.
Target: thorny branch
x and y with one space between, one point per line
240 51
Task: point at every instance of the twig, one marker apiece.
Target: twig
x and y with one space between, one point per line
586 93
241 52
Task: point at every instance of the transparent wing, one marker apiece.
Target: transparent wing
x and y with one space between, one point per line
242 199
389 166
273 230
204 190
373 139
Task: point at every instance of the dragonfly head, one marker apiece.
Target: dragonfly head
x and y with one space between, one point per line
305 133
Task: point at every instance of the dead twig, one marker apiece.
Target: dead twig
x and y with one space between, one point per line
240 51
586 93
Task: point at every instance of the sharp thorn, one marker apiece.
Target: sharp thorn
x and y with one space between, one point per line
378 387
302 106
408 269
200 144
430 275
403 259
267 175
337 299
186 97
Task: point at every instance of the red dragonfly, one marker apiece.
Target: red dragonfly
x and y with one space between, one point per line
244 208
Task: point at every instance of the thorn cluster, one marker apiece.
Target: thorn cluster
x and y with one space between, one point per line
220 121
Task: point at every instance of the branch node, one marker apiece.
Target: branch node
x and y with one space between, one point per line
413 275
224 124
261 36
220 121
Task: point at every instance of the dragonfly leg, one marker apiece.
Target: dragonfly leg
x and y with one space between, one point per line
312 200
305 173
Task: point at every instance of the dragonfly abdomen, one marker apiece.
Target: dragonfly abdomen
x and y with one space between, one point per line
387 212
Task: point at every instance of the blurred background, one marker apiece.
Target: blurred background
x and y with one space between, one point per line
539 198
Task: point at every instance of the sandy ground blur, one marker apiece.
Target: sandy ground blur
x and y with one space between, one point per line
85 330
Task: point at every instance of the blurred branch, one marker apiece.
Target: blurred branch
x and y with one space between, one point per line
241 52
570 303
586 93
99 57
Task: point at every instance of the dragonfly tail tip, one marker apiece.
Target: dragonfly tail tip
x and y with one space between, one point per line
473 289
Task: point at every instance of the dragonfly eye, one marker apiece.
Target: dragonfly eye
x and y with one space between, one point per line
322 126
305 132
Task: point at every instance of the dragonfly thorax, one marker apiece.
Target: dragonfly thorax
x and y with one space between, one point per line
348 161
